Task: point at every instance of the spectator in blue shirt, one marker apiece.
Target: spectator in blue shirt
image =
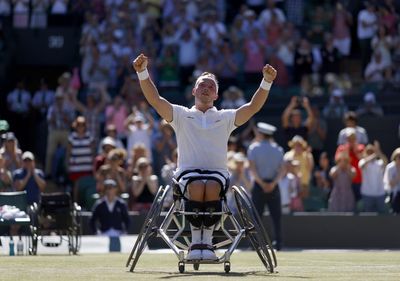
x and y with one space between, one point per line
29 178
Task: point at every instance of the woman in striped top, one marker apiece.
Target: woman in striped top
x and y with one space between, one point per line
80 152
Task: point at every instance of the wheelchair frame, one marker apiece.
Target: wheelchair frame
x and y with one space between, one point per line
248 225
71 228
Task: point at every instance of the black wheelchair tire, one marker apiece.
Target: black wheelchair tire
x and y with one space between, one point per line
254 229
147 230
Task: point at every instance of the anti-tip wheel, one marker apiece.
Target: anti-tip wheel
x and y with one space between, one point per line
227 267
181 267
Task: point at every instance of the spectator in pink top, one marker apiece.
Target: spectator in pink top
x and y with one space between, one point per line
116 113
342 21
254 48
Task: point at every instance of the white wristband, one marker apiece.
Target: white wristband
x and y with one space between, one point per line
143 75
265 85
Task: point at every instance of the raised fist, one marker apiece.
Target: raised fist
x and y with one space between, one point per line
140 63
269 73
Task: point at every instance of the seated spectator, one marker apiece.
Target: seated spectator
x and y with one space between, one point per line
116 113
377 69
292 122
137 152
369 107
29 178
144 186
342 196
139 131
372 166
110 213
111 133
336 108
5 176
391 180
239 176
350 120
232 98
112 169
10 152
299 151
107 144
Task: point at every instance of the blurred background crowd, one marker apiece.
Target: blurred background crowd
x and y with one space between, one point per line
72 127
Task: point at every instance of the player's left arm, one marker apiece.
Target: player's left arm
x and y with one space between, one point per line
246 111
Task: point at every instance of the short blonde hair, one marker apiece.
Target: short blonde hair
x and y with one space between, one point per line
207 75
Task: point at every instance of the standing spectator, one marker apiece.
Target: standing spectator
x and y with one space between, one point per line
29 178
144 186
330 56
391 180
110 212
107 144
59 7
80 152
342 197
164 146
96 99
383 43
350 121
336 108
303 61
5 176
366 27
19 102
66 90
266 163
372 166
212 28
318 26
266 14
116 113
295 11
39 13
300 152
322 180
292 122
342 21
254 50
317 134
188 53
289 187
138 151
227 65
59 120
111 132
21 13
354 150
41 102
11 152
377 70
138 131
370 107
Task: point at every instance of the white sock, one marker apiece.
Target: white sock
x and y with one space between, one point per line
208 235
196 234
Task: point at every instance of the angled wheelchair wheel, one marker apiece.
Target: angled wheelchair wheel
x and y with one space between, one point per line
254 229
74 233
148 228
33 241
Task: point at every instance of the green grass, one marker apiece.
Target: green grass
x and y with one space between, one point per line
309 265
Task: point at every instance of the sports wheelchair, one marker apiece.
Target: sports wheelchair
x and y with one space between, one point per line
55 215
229 231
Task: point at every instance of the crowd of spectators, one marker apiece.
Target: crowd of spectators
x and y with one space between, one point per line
99 126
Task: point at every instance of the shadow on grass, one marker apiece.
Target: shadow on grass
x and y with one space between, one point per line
173 275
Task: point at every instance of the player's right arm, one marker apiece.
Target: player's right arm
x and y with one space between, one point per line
161 105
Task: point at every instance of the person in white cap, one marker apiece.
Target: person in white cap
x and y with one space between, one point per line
370 107
29 178
266 165
202 134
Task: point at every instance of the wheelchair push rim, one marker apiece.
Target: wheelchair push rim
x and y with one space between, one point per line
148 226
254 229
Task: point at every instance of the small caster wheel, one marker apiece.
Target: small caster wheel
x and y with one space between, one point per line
196 266
227 267
181 267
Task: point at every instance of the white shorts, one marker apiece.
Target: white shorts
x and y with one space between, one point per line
186 177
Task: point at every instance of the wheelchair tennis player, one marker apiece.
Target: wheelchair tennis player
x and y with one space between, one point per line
202 135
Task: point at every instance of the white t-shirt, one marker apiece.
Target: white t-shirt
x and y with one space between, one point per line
202 138
372 177
369 31
287 188
136 136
